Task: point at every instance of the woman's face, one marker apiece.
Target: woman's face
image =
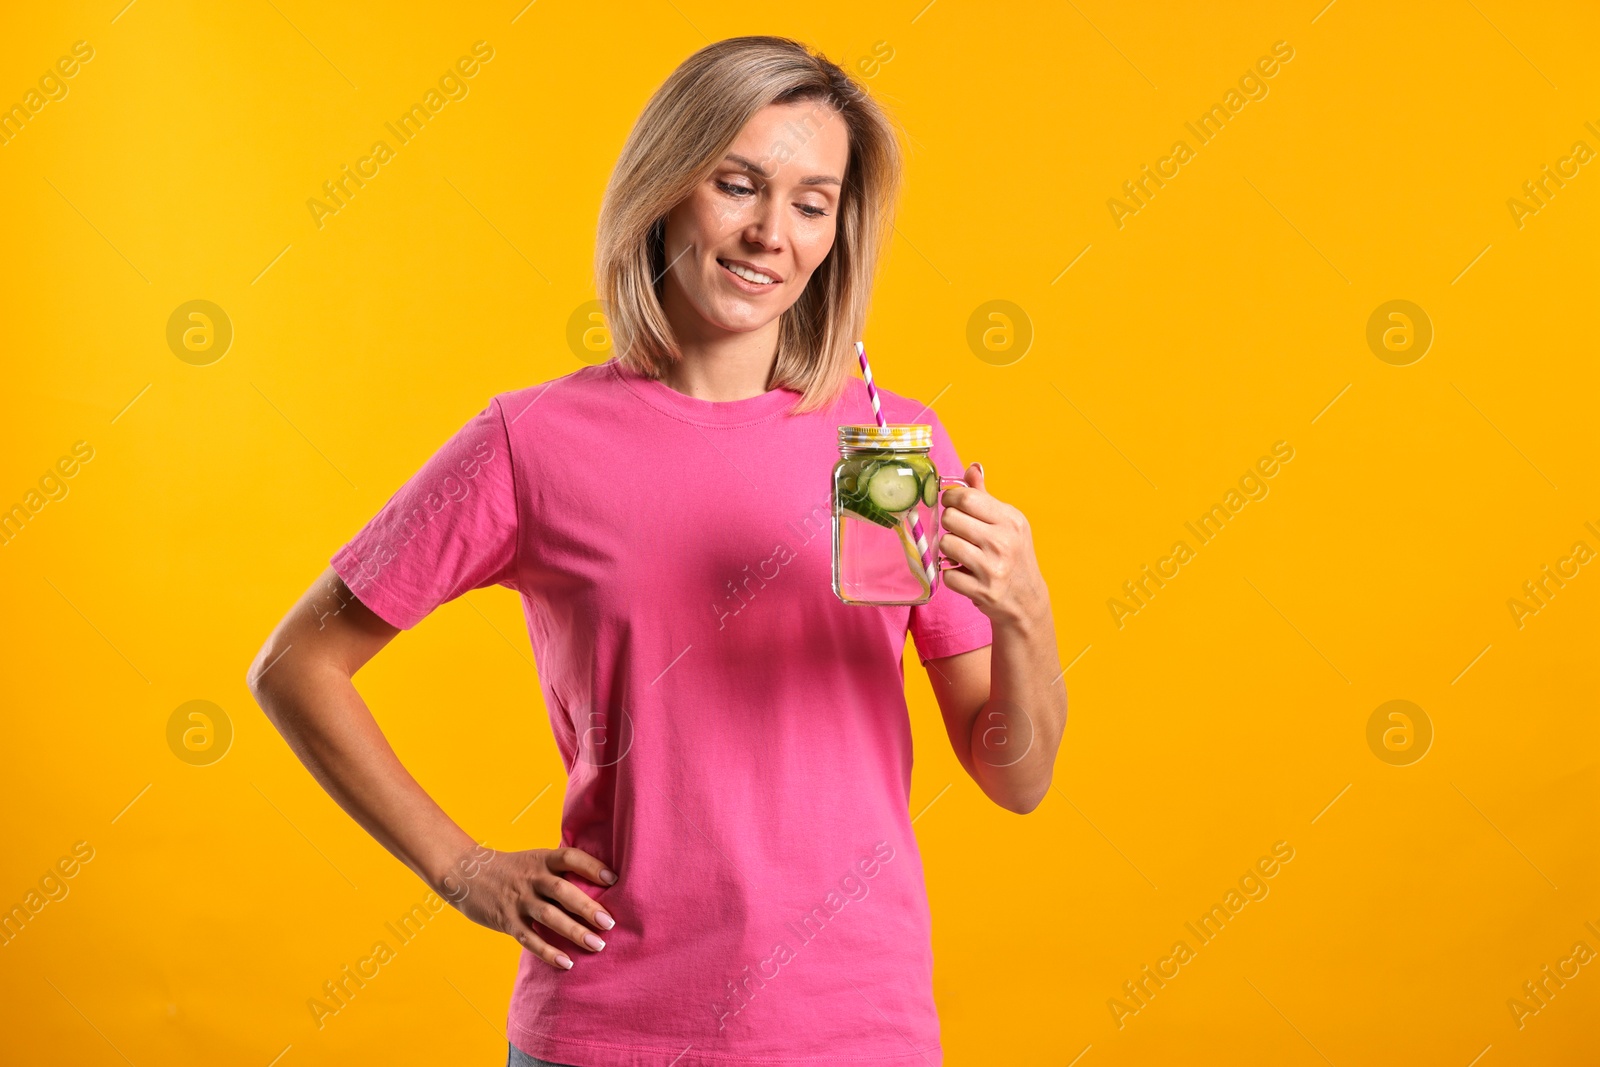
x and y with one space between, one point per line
769 209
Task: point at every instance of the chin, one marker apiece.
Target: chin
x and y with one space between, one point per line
735 322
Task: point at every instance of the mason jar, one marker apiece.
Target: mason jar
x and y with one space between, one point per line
886 511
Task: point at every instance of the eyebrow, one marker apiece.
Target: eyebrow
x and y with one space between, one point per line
810 179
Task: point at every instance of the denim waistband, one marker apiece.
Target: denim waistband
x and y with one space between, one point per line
515 1057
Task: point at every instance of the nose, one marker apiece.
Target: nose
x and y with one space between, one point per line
765 228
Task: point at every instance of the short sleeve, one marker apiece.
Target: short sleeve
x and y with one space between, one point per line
451 528
949 623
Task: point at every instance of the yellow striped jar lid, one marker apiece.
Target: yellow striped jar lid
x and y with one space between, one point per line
904 435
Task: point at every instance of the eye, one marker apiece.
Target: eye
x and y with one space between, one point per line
736 191
812 212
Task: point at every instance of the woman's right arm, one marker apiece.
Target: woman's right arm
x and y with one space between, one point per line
302 678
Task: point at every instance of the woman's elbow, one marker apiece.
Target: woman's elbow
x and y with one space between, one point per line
266 670
1021 805
1021 799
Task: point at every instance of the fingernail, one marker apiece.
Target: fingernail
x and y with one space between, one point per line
980 468
607 876
561 958
606 922
593 942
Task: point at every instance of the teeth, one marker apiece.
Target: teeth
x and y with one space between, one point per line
747 274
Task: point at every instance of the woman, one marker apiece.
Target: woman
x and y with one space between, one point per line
737 880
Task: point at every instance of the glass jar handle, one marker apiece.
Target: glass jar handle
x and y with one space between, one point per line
941 560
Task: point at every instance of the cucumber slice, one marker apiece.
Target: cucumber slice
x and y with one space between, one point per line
869 464
893 486
850 473
854 478
929 476
862 506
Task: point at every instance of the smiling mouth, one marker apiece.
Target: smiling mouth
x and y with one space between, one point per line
746 274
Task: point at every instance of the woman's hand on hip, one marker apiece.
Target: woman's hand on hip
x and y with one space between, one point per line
523 894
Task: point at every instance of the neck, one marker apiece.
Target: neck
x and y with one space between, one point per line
716 364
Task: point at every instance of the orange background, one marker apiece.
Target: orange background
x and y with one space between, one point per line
1165 356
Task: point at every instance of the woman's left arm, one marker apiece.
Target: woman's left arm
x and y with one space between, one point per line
1004 705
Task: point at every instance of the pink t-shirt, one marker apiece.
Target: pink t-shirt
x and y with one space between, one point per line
736 738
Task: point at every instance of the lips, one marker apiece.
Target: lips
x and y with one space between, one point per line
751 268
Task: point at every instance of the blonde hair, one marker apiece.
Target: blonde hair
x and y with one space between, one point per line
678 140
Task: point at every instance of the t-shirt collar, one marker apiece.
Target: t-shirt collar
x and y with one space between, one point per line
666 399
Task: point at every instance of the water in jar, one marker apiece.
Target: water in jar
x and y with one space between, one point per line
877 559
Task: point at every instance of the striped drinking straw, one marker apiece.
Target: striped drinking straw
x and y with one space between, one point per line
877 413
